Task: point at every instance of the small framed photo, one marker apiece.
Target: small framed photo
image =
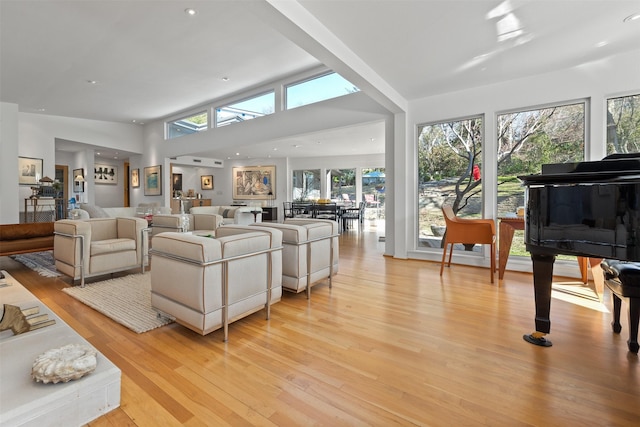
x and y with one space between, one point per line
206 182
177 182
153 180
135 178
29 171
78 186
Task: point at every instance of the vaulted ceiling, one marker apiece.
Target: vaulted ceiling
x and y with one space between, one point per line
143 60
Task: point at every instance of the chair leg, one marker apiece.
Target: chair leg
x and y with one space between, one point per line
450 255
617 303
634 316
493 260
444 255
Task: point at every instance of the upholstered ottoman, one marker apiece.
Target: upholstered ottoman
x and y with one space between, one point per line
623 279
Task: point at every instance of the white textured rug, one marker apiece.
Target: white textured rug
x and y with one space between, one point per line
127 300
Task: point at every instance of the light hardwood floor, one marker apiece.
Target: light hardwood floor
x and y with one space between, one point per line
391 344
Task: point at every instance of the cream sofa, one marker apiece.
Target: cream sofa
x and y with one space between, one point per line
98 246
310 251
195 222
242 215
207 283
114 212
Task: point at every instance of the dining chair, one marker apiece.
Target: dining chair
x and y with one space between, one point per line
468 231
326 211
288 209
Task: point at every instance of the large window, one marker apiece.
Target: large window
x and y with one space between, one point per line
317 89
248 109
449 171
373 192
187 125
526 141
343 185
306 185
623 124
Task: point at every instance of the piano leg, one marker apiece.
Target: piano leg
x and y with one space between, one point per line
542 278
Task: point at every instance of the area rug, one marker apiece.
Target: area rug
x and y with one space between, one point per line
127 300
41 262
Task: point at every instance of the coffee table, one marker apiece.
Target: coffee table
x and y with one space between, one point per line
24 401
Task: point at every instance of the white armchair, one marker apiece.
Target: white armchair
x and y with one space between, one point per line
96 246
310 251
206 283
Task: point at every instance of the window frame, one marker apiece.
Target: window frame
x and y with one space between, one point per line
215 108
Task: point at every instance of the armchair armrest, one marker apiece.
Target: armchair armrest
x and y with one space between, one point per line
132 228
71 246
206 221
171 222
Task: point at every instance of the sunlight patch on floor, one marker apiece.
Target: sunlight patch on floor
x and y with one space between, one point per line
578 293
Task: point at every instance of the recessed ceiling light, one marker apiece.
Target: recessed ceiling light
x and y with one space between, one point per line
92 82
633 17
237 154
98 153
602 44
190 12
275 149
225 79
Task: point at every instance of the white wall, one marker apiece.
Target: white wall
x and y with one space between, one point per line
34 135
9 171
594 82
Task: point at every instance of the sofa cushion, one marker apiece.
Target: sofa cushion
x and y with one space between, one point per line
112 245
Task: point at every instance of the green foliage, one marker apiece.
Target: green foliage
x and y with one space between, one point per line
623 125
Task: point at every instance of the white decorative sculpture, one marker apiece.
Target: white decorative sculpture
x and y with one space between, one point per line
64 364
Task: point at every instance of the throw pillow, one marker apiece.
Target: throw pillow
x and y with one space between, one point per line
95 211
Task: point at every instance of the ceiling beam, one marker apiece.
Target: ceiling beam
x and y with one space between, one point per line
297 24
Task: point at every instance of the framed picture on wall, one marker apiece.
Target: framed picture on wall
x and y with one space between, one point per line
206 182
78 186
29 171
153 180
254 182
135 178
105 174
177 182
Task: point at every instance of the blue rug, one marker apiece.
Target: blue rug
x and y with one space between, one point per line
41 262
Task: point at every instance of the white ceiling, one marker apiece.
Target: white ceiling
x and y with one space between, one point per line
150 60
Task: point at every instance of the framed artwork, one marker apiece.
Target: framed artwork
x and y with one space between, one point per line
29 171
135 178
177 181
78 186
153 180
206 182
105 174
254 182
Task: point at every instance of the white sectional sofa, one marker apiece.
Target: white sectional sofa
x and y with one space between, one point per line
94 211
242 215
207 283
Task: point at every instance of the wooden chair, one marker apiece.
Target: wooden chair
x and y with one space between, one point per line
468 231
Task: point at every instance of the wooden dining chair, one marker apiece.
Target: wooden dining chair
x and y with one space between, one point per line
468 231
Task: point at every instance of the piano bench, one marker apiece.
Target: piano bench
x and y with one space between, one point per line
623 279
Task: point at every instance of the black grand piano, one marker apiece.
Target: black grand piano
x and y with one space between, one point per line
587 209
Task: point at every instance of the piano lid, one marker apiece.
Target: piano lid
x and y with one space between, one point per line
616 167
